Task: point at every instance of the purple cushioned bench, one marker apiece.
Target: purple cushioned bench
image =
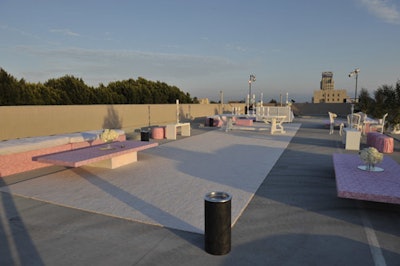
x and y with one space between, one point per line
354 183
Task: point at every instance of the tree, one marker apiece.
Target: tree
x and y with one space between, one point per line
9 89
71 90
366 102
385 99
395 113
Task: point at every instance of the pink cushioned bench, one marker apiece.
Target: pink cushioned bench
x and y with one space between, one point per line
121 153
354 183
16 154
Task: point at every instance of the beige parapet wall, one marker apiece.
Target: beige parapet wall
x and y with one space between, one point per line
31 121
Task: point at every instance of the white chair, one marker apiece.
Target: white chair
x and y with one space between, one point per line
341 129
354 121
361 125
332 117
381 125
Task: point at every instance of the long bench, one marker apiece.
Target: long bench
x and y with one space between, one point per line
16 155
354 183
110 156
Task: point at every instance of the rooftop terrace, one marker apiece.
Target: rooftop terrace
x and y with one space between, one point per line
293 218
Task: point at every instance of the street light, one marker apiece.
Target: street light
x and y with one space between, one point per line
251 79
354 73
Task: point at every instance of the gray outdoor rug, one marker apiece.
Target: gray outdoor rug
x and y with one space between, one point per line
167 185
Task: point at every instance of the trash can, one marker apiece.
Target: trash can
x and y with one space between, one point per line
144 135
217 233
211 122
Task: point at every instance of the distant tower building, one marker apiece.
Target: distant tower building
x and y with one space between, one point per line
327 92
327 82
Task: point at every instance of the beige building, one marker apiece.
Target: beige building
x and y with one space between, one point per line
327 92
204 101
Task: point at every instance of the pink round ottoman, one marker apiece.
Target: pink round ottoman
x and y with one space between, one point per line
384 144
157 132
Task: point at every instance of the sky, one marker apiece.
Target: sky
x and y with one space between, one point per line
205 47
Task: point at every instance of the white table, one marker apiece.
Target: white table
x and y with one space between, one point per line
351 138
171 130
276 123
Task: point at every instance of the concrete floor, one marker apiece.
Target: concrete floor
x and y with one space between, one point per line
295 218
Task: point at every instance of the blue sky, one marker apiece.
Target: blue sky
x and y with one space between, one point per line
204 47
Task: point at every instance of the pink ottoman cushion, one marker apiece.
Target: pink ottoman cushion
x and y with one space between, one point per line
384 144
157 133
244 122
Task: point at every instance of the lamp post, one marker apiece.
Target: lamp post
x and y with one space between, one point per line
251 79
354 73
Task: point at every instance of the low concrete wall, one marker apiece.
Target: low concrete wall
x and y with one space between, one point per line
31 121
321 109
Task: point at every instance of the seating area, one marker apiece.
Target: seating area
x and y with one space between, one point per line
295 204
16 155
358 125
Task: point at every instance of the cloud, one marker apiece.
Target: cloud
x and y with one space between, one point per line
235 47
100 65
383 9
19 31
67 32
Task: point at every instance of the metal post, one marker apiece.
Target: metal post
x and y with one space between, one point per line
250 88
355 96
352 73
251 79
221 100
